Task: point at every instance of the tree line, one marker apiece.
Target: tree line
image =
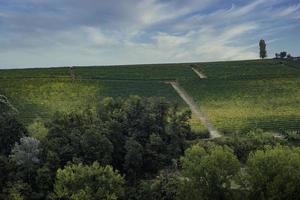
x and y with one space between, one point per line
138 148
263 52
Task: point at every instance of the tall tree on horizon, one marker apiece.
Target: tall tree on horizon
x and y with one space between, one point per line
262 48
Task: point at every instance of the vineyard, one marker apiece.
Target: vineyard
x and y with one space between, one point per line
239 96
41 97
236 96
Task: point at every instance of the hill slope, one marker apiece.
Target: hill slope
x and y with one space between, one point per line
236 96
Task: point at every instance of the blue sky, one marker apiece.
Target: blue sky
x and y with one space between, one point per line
45 33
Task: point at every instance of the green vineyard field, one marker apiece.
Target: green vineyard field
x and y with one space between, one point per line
236 96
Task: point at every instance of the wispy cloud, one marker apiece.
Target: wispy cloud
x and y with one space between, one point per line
71 32
290 10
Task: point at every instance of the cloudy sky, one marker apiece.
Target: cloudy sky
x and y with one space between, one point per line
38 33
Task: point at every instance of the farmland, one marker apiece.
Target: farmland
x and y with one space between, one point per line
236 96
241 96
40 97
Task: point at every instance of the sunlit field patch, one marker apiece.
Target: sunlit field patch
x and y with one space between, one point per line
242 96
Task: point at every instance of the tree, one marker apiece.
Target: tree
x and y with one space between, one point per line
10 129
283 54
83 182
76 136
26 156
6 107
262 48
37 129
150 129
177 130
274 173
208 172
18 190
133 159
96 147
26 153
164 186
4 171
243 145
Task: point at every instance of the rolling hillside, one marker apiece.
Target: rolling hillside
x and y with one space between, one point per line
236 96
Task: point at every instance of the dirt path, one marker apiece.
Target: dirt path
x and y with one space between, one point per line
194 108
199 73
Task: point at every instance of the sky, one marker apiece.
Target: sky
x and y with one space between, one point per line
49 33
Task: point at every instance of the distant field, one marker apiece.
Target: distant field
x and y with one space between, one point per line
133 72
140 72
250 70
237 96
43 97
29 73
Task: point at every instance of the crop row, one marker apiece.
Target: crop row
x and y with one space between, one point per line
249 104
251 70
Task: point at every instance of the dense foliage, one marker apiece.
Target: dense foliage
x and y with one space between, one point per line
10 129
138 148
81 182
208 172
273 173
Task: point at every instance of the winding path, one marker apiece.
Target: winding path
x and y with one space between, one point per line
194 108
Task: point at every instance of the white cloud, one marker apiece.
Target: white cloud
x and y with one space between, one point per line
164 40
289 10
98 38
145 31
148 13
244 10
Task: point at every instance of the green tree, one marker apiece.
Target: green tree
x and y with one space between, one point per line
83 182
274 173
76 136
165 186
156 128
44 182
208 172
96 147
243 145
6 107
26 153
177 130
26 157
283 54
37 129
18 190
10 129
133 160
4 171
262 48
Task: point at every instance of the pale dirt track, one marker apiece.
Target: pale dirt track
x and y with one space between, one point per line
194 108
202 76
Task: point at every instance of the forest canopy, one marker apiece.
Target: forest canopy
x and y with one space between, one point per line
138 148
